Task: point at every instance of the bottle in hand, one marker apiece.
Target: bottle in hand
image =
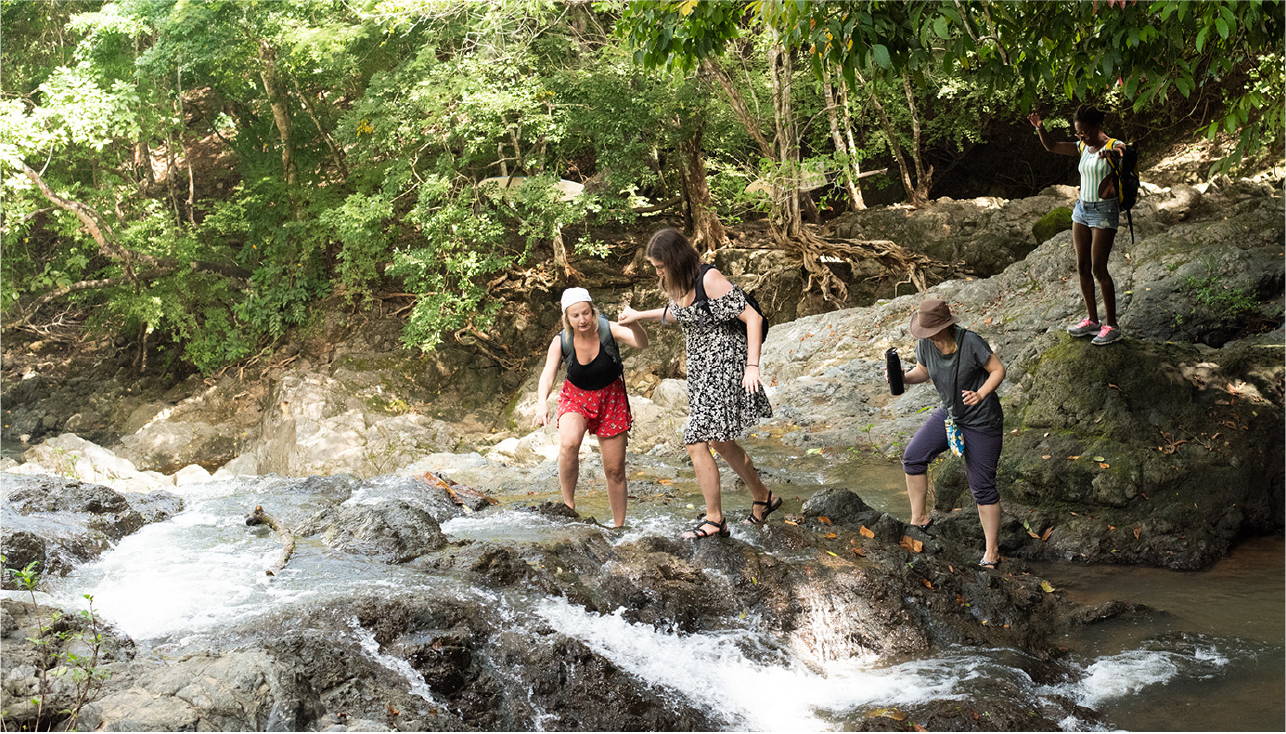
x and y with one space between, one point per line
895 371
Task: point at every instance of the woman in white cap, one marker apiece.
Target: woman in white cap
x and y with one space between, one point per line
593 397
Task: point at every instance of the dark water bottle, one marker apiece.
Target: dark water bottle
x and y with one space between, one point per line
895 371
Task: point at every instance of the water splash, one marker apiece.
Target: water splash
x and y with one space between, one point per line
714 672
392 662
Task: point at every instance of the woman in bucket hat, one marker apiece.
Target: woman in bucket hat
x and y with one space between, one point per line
593 397
970 422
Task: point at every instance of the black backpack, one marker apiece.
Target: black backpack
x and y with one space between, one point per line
750 299
605 340
1126 171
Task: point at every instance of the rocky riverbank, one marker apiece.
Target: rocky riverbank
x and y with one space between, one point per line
489 635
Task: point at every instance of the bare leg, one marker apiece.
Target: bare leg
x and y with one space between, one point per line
917 488
1102 249
1081 241
571 431
613 452
744 466
707 479
989 516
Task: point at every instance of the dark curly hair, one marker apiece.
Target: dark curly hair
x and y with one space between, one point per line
1092 116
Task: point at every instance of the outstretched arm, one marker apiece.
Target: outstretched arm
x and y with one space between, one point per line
631 335
629 316
1059 147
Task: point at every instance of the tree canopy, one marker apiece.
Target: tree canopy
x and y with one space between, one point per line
199 175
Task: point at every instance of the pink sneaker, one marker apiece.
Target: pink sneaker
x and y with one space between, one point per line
1107 335
1084 328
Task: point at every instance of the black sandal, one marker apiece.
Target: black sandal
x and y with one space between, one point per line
769 508
923 528
700 530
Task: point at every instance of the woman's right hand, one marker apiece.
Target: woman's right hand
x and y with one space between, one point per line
627 316
1034 119
542 415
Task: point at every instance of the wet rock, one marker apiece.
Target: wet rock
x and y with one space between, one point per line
840 505
60 523
393 530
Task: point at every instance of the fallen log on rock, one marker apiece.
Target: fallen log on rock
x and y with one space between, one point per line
467 498
259 517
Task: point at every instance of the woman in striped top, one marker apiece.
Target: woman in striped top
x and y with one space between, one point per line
1094 220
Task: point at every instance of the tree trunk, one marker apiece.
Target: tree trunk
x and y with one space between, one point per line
707 230
891 134
787 216
848 137
280 112
842 144
923 179
739 107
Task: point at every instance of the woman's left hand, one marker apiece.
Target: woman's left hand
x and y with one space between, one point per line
970 397
751 380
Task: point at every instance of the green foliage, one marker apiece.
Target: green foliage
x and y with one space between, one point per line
1219 300
157 117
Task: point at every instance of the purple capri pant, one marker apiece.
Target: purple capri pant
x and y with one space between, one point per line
982 452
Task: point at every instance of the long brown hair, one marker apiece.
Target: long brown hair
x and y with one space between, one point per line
680 263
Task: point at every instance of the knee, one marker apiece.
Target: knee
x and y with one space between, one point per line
568 448
725 448
914 462
1100 271
985 495
614 474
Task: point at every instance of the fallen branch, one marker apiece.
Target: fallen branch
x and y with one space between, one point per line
259 517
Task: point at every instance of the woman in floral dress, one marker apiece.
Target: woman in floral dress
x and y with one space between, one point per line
725 393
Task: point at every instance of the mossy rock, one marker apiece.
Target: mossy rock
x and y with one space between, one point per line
1052 223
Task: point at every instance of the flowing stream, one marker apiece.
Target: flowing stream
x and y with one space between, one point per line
1211 660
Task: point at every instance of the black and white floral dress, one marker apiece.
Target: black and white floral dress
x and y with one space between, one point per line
719 408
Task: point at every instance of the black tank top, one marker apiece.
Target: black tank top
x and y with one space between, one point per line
598 374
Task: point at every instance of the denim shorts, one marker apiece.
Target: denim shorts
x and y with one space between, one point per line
1105 214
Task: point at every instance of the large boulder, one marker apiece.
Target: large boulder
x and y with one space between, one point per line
1160 447
319 424
75 652
69 455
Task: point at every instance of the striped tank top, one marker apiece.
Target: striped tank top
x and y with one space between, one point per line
1093 170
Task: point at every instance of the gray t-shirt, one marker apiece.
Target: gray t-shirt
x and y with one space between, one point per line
973 351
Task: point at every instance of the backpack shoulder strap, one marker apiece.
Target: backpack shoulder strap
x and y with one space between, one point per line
700 285
566 338
606 341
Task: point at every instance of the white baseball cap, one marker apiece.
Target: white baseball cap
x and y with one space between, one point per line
572 296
